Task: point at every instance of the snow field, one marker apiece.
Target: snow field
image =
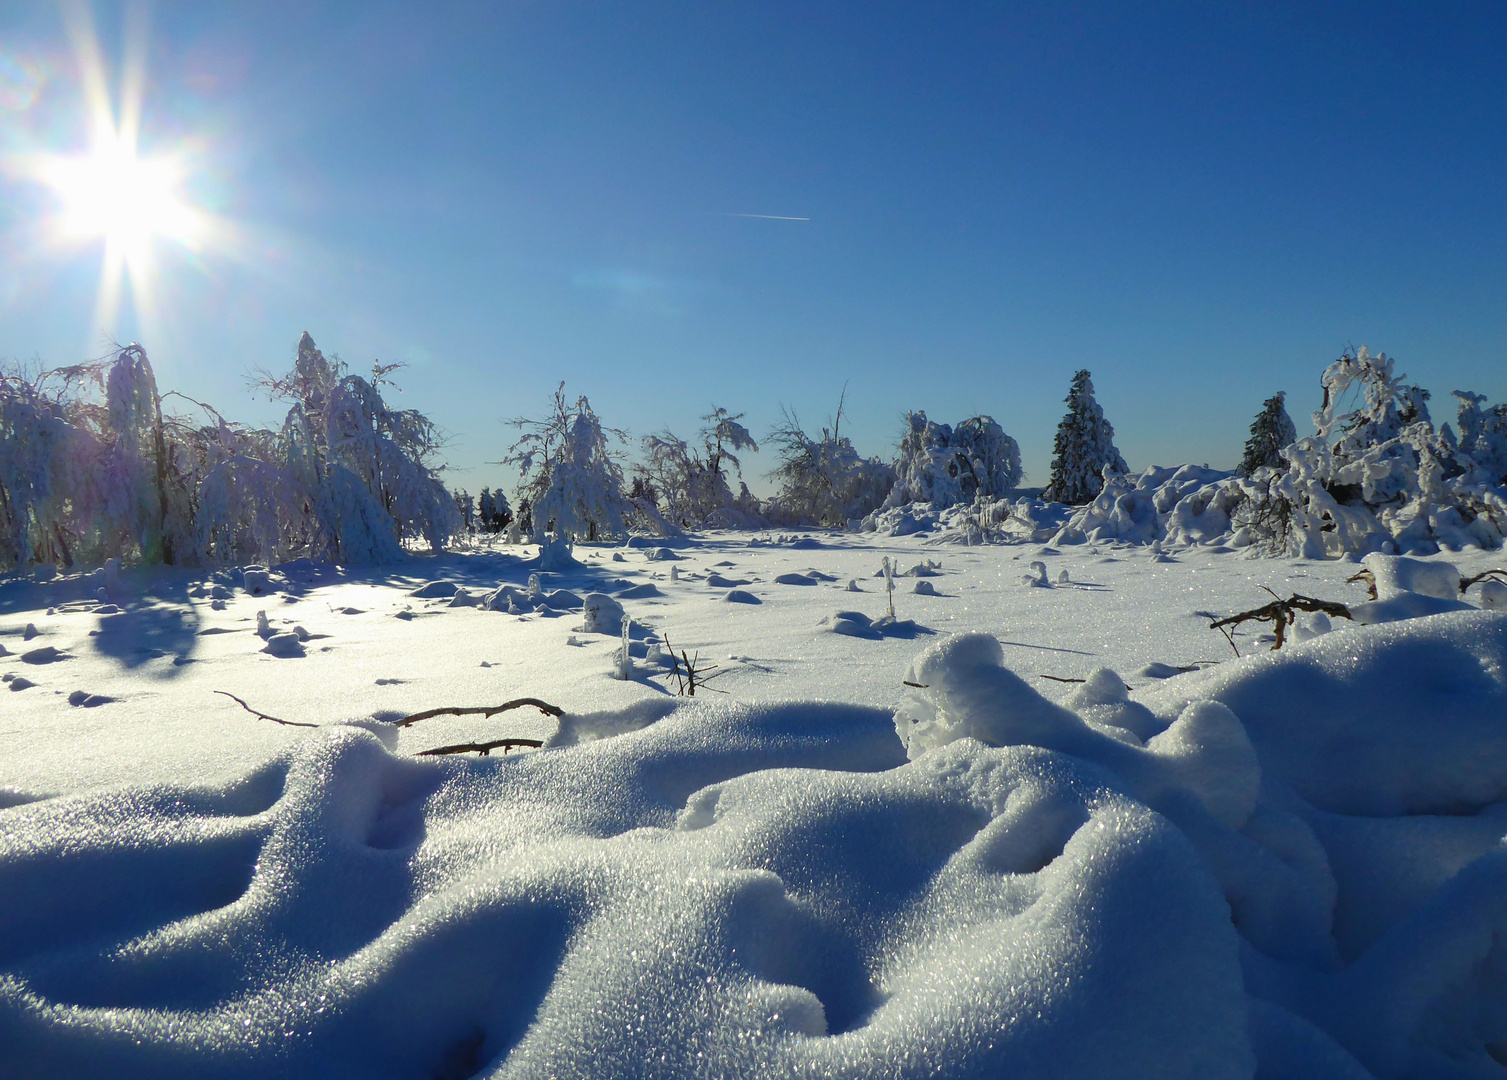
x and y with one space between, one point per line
877 855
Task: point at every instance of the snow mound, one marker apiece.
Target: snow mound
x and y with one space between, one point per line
732 890
1284 865
1401 718
435 590
601 614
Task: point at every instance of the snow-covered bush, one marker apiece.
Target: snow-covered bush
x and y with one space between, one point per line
824 481
690 485
943 466
572 483
1084 448
1482 439
1271 431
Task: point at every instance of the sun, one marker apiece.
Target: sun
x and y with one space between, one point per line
113 195
109 195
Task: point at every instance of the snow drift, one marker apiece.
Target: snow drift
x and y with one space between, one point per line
1287 865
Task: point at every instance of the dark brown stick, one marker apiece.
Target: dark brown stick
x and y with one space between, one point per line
1058 678
483 710
264 716
1494 575
483 748
1280 613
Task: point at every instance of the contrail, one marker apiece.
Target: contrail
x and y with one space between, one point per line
769 217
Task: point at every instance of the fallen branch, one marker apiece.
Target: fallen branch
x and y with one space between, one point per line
1281 614
483 748
1058 678
264 716
482 710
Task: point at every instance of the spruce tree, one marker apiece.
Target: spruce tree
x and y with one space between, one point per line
1271 431
1084 445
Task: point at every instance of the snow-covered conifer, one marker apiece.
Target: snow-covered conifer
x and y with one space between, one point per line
1083 448
1483 438
1272 430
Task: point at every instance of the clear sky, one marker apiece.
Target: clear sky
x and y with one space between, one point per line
1203 203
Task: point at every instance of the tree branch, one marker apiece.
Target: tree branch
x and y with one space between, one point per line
484 749
483 711
264 716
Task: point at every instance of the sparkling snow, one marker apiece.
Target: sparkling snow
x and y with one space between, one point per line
892 847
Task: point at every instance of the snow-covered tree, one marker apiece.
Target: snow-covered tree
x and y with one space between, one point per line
1272 430
824 481
1383 405
465 506
942 465
368 468
572 481
1084 447
691 484
1482 438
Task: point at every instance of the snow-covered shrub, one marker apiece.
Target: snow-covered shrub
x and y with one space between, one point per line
572 482
943 466
690 485
1272 430
824 481
1083 449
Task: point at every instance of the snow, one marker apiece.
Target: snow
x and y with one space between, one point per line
890 848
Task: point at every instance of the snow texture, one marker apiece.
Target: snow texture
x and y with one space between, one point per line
1287 865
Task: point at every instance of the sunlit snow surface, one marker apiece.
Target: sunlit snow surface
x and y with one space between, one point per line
1287 865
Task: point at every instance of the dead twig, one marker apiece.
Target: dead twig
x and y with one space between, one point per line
1484 575
695 672
1058 678
264 716
482 710
1369 579
483 748
1281 614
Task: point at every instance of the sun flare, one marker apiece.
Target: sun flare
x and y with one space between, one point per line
127 201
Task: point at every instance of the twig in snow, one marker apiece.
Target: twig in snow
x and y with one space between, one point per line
1484 575
1369 580
694 672
264 716
1058 678
482 710
483 748
1281 614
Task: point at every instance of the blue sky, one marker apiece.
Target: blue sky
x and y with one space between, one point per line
1202 203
